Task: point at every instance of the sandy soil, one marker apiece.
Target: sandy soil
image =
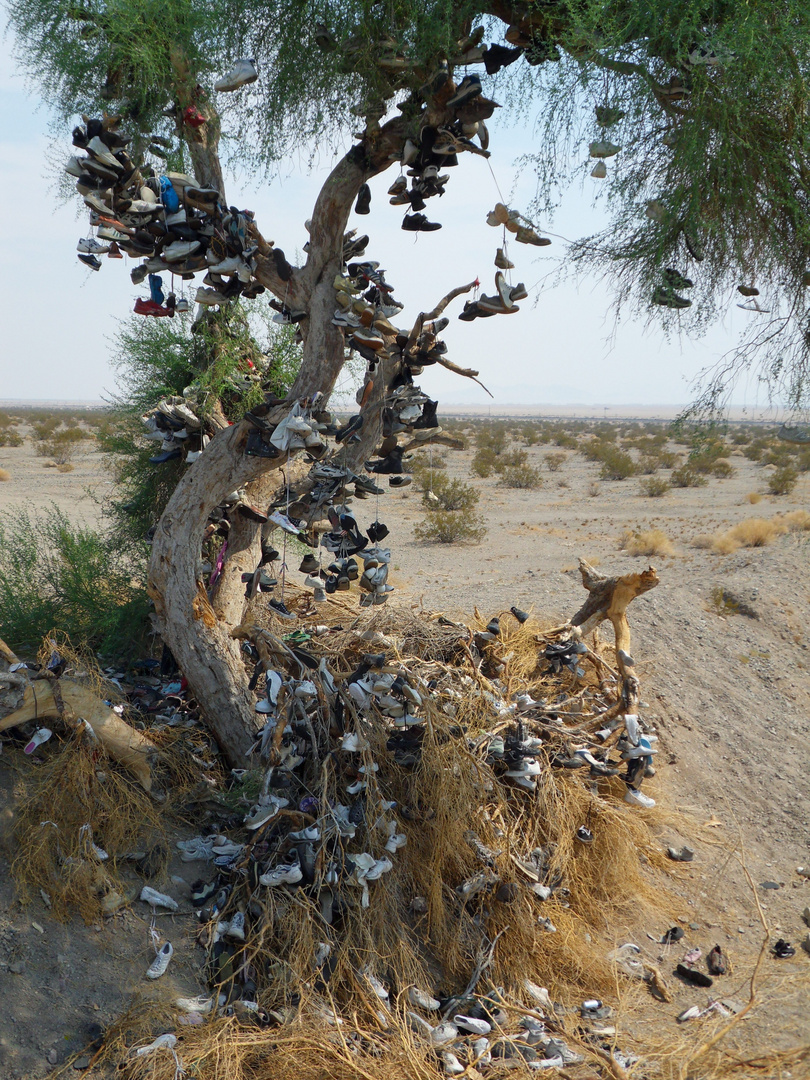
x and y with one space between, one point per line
729 695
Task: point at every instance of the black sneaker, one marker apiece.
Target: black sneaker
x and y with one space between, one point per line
349 428
363 204
91 261
428 418
419 223
783 949
257 447
498 56
281 610
283 268
469 88
697 978
377 532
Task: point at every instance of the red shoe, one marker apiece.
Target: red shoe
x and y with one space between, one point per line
193 117
149 307
114 252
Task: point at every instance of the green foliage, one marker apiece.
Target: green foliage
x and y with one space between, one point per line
782 481
54 574
483 462
686 477
722 469
452 494
492 436
654 487
617 465
10 438
450 527
554 461
155 358
521 476
60 445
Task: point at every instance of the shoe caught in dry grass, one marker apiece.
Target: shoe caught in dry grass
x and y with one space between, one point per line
651 542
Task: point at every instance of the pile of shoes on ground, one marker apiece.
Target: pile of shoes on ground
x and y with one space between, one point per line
341 799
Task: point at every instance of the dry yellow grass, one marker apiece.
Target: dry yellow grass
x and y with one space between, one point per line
4 475
751 533
703 542
795 520
753 497
651 542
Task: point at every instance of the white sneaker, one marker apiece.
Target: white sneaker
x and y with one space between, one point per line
162 1042
180 249
472 1024
242 72
155 899
422 999
354 743
102 153
236 928
452 1066
638 798
283 874
89 246
161 962
443 1033
201 1005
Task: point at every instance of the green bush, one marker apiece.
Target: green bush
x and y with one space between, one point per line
450 527
654 487
483 462
56 575
723 469
61 445
617 465
10 438
452 494
492 436
554 461
511 460
685 477
521 476
783 480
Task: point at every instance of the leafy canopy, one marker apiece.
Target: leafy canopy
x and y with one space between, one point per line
721 149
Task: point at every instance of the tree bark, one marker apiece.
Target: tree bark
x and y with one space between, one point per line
197 631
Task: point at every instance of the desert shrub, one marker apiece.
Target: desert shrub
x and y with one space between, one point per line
617 465
751 533
57 574
510 459
755 449
753 497
492 436
654 487
686 477
483 462
452 494
46 426
531 434
450 527
703 542
722 469
554 461
651 542
424 469
779 455
796 521
593 489
4 475
61 446
649 464
521 476
741 438
594 450
783 480
10 438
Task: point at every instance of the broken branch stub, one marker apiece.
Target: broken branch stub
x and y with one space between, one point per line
609 598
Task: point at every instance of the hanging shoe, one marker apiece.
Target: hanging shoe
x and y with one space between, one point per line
502 262
242 72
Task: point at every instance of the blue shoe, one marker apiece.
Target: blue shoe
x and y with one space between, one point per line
167 455
168 195
155 289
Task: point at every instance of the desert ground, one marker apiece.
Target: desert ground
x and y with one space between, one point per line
728 693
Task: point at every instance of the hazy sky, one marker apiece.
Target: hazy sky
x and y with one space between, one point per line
561 347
